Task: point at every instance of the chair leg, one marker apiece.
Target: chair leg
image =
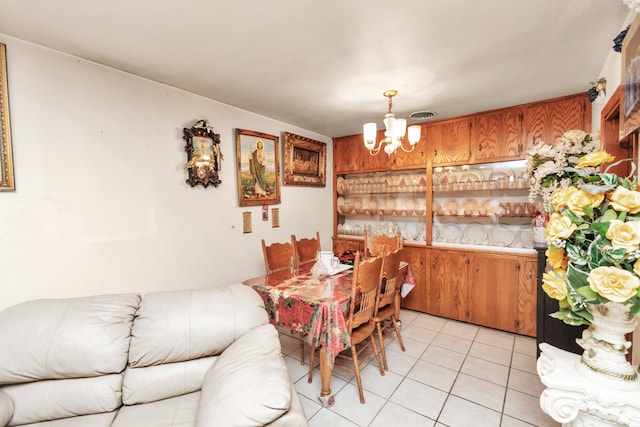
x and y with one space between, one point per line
382 350
375 351
356 367
301 348
395 326
312 357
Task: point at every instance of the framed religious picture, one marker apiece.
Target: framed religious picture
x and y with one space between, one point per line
258 168
305 161
630 81
204 158
6 159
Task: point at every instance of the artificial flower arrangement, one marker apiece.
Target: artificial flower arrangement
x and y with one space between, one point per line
547 164
594 239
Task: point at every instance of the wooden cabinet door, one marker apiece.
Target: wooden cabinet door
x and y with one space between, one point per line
546 121
527 297
447 283
417 298
449 141
351 156
341 245
414 159
497 135
346 154
493 291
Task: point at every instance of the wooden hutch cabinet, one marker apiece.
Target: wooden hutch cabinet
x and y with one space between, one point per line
466 239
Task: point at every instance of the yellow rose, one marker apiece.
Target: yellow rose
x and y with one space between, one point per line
554 284
561 196
594 159
624 234
636 267
555 257
559 227
613 283
625 200
579 199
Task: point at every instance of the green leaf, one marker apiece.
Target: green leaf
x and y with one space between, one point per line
576 277
608 215
622 216
601 227
588 293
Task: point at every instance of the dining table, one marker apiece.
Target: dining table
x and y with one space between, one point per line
317 307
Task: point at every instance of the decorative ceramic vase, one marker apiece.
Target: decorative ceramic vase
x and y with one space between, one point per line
605 346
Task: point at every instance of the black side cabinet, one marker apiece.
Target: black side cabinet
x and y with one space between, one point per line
550 330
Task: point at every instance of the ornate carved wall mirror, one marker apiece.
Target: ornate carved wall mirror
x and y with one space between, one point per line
204 158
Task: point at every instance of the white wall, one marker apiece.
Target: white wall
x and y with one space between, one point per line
101 204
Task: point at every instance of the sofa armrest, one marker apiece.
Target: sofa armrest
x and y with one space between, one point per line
6 408
295 417
248 385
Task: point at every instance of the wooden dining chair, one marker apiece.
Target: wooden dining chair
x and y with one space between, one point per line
385 312
373 244
277 256
365 287
306 249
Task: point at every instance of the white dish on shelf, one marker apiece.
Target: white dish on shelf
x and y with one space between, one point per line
341 185
500 235
475 234
525 237
372 205
340 204
451 232
436 233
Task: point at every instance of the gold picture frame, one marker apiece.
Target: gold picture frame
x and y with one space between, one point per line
258 167
6 159
305 161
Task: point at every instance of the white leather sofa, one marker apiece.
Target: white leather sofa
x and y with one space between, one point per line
204 358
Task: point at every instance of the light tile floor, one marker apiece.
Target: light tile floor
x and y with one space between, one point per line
452 374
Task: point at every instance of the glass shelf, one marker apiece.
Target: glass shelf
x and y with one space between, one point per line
483 204
383 203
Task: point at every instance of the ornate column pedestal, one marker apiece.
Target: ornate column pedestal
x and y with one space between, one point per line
577 401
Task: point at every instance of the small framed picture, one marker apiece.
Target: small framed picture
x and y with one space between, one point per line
258 168
6 159
305 161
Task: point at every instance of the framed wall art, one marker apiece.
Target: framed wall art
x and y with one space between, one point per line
258 168
6 159
204 158
630 81
305 161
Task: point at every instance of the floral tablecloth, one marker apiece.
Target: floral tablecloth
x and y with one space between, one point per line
319 308
316 307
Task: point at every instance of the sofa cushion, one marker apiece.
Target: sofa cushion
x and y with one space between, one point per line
249 384
174 326
95 420
143 385
6 408
65 338
175 412
54 399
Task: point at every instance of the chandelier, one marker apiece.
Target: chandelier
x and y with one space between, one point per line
394 134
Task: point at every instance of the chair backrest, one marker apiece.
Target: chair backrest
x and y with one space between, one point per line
306 249
364 290
277 256
373 244
390 282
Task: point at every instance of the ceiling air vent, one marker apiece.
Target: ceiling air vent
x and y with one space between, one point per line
422 115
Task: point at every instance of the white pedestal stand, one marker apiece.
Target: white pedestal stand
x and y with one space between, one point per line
577 401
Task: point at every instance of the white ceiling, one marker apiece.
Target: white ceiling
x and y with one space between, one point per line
323 64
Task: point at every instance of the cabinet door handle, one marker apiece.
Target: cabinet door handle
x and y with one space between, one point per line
433 264
530 274
477 268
